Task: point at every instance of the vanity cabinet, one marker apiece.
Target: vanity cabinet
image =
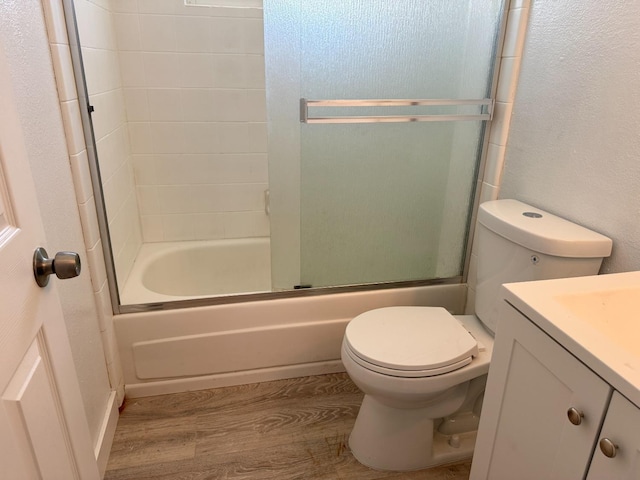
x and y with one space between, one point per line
526 430
621 428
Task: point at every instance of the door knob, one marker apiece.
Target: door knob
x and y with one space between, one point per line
64 265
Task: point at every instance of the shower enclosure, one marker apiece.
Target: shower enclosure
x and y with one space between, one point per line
292 147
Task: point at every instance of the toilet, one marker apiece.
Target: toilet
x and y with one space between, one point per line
423 370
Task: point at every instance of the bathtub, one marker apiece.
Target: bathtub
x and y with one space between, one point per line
169 351
169 271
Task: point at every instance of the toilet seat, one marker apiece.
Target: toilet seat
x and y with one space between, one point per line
409 341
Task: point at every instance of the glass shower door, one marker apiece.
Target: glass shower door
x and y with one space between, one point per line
384 192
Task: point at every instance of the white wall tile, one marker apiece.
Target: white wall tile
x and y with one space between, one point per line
162 7
65 78
132 69
168 137
95 66
196 70
95 26
494 164
193 34
73 124
162 69
165 104
148 200
157 33
256 106
109 113
152 230
81 176
515 34
140 137
227 35
509 67
89 221
103 302
54 19
255 77
488 192
201 138
500 123
124 6
209 226
136 106
178 227
95 260
229 71
127 31
144 167
253 36
197 104
257 140
246 224
229 105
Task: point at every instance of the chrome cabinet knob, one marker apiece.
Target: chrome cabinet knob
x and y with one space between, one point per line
64 265
608 448
575 416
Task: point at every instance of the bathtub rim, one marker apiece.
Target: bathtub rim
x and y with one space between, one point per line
276 295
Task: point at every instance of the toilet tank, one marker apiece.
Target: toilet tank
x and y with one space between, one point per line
518 243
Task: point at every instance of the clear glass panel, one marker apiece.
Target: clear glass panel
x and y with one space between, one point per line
374 202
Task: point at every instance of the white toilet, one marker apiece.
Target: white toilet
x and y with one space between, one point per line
423 370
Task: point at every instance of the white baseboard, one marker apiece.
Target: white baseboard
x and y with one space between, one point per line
162 387
107 432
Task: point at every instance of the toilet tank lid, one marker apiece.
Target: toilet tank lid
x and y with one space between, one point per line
541 231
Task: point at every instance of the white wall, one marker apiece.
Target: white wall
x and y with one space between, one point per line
100 57
194 91
24 39
574 145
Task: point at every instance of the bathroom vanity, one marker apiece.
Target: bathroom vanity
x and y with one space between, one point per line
563 394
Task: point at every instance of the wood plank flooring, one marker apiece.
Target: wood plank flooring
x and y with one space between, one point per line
287 429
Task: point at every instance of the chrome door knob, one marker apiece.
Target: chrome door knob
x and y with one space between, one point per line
64 265
608 448
575 416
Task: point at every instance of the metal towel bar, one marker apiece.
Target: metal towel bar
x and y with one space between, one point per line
486 113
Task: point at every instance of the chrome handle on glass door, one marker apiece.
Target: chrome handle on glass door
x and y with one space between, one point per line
485 105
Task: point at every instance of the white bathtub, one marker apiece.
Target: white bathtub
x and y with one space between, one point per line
236 343
169 271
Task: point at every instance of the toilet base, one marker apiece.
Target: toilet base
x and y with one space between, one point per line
403 439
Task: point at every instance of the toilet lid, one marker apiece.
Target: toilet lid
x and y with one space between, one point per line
411 339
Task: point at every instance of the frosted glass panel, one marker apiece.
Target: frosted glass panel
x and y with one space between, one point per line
377 202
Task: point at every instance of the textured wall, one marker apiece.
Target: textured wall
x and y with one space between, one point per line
574 145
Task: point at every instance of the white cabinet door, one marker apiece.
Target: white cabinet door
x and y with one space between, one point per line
43 427
622 428
524 429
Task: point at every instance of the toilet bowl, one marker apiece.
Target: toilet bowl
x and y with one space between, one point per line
423 370
395 425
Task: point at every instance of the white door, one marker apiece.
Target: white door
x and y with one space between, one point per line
622 429
43 428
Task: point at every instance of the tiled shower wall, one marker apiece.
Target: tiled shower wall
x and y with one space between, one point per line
194 91
100 56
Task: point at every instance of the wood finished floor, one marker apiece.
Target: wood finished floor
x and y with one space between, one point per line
287 429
